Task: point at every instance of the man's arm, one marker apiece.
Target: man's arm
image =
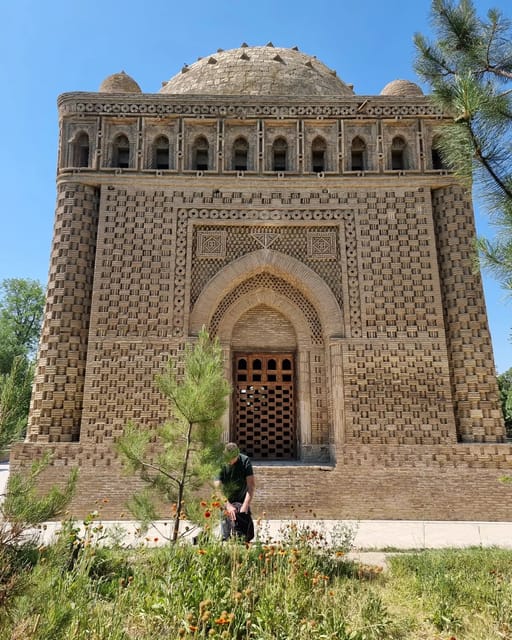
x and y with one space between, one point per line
251 488
229 509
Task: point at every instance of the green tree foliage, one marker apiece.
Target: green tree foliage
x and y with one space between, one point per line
24 507
505 387
15 389
469 68
189 443
21 312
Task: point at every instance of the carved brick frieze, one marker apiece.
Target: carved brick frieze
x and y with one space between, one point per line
336 109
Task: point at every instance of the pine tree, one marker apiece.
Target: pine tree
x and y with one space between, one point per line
189 443
469 68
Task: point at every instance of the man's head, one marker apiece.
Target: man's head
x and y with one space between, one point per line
231 453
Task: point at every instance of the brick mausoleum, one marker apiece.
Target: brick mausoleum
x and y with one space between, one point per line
317 234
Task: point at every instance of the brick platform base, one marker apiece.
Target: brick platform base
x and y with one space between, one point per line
457 482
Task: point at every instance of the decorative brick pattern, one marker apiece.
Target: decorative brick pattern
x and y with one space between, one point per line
243 238
398 393
211 244
322 245
474 382
56 408
121 387
379 107
400 294
135 262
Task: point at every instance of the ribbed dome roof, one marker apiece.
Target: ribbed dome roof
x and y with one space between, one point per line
119 83
401 88
263 71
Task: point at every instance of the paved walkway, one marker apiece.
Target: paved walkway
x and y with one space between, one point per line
370 536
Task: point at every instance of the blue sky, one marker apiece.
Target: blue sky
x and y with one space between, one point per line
48 48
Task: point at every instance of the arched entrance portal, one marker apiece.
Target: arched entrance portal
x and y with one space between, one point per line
270 310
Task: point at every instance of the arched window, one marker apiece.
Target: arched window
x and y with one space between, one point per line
161 153
200 154
358 154
240 154
81 151
318 153
121 152
437 160
398 160
279 154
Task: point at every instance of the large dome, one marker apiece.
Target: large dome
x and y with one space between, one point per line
262 71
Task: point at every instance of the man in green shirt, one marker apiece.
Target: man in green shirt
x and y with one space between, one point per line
236 478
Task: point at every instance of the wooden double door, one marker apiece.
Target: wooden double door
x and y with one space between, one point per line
264 416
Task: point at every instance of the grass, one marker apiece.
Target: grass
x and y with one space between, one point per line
300 588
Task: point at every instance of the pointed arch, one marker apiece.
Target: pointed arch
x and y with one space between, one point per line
318 155
290 269
161 150
201 154
280 154
81 150
271 299
358 154
398 154
121 152
240 154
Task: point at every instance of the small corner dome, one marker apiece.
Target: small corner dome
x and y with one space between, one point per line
401 88
119 83
267 70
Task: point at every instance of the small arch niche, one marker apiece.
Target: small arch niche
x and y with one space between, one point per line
81 150
161 149
279 155
398 154
200 154
121 152
240 154
318 155
358 160
437 160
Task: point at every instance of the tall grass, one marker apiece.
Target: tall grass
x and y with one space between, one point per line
299 588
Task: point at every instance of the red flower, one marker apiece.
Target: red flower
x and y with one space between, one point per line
207 514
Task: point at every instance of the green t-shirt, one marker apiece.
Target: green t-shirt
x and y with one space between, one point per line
234 478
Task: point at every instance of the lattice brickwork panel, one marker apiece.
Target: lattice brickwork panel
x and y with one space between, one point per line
121 386
318 381
302 243
474 380
264 405
400 295
56 407
135 265
397 393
